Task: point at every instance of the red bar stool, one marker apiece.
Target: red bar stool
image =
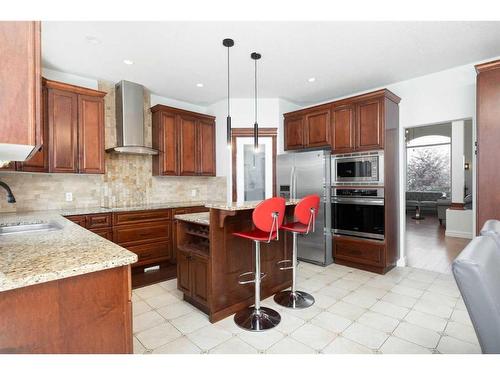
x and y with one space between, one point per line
267 218
305 216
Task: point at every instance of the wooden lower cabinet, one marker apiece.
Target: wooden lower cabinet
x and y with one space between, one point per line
192 277
87 314
183 274
106 233
360 253
198 274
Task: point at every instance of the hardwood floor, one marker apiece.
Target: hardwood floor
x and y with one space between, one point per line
428 248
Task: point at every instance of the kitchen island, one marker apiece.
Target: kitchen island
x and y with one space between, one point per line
210 259
64 290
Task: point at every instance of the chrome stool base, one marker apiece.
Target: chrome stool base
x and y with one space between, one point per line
254 321
294 300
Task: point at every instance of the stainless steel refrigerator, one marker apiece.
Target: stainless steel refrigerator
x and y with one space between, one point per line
300 174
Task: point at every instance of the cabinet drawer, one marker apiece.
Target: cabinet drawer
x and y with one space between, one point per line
360 251
78 219
141 233
151 251
98 221
131 217
106 233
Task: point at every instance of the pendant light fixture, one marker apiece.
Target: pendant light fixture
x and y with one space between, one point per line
255 56
228 43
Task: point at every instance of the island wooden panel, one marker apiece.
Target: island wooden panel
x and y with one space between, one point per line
231 256
86 314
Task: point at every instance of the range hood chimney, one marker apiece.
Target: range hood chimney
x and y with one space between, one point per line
129 99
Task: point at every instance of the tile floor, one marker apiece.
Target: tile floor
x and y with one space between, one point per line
407 310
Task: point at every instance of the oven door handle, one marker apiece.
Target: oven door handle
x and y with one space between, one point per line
362 201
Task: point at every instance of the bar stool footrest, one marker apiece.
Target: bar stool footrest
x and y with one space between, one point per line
285 261
252 280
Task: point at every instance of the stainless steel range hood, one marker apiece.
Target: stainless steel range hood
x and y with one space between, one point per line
129 98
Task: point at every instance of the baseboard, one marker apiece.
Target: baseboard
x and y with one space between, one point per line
452 233
401 262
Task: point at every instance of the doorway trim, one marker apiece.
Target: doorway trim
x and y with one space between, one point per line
402 262
248 132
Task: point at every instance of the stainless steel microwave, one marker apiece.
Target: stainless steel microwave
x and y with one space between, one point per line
362 167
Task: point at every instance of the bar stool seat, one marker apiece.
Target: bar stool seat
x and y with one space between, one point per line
267 218
305 216
256 235
297 227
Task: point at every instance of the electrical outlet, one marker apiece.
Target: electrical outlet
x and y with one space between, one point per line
194 192
69 197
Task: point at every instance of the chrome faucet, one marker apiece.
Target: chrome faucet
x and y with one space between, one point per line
10 196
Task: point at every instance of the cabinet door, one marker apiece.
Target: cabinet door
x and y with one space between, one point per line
199 278
39 162
343 129
206 148
81 220
317 128
187 140
20 78
369 125
165 141
90 134
183 274
294 133
63 126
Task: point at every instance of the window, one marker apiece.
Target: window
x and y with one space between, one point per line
428 164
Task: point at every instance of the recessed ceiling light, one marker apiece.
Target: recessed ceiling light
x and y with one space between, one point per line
312 79
128 62
199 85
92 39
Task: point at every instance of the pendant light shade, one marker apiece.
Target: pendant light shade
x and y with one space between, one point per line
228 43
255 56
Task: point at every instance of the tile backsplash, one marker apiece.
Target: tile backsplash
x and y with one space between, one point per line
128 179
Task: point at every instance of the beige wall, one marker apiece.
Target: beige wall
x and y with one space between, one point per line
128 179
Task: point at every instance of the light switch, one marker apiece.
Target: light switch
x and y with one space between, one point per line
69 197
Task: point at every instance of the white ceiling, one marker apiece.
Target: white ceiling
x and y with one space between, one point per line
170 58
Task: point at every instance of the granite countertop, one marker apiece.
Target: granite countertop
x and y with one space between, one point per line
31 258
202 218
237 206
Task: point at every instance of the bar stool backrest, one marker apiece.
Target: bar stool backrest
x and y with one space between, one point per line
269 214
306 210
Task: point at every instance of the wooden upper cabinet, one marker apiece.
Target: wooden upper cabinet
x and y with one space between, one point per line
317 128
20 85
74 119
347 125
369 125
91 134
343 128
206 147
165 141
185 141
63 131
294 132
188 145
